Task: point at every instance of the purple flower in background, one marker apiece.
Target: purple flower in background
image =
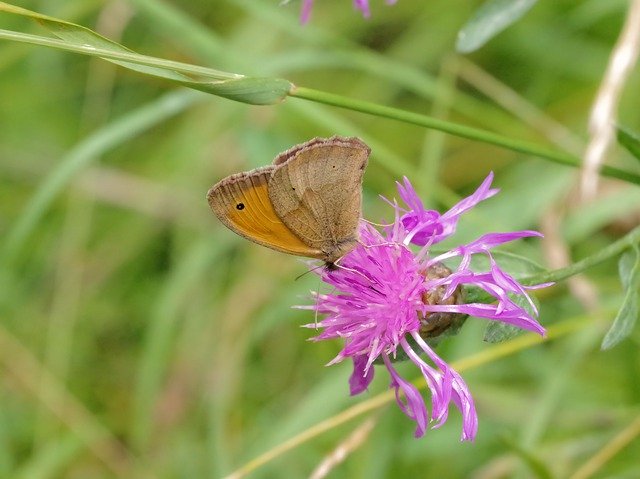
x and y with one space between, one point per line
362 5
389 300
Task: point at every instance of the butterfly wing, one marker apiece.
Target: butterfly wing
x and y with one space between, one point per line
317 192
242 203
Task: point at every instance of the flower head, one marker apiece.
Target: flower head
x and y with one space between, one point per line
389 300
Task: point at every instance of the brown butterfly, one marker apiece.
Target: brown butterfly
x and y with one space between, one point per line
307 203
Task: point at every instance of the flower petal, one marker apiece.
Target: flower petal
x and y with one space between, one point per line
459 392
439 385
305 13
412 404
361 376
363 6
426 226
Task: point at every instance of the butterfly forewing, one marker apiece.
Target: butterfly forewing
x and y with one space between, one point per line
242 203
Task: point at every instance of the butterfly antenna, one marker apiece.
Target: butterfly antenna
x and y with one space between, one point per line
309 271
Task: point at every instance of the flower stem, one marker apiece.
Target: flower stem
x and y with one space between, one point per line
555 156
614 249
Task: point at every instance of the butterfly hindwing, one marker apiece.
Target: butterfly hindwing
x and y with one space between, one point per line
317 191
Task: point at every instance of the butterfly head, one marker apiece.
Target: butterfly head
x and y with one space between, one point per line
338 250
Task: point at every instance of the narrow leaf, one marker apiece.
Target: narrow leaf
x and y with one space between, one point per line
629 269
630 140
79 35
252 90
490 19
497 331
257 91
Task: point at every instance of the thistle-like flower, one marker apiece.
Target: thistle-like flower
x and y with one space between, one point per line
362 5
392 302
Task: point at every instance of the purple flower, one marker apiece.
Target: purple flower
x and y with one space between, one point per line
390 302
362 5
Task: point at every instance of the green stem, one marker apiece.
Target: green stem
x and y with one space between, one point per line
614 249
328 99
455 129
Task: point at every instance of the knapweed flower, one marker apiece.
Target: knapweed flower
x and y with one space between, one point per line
391 300
362 5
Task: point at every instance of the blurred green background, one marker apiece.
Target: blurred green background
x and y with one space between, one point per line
140 338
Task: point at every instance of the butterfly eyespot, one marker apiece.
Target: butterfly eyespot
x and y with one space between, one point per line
240 206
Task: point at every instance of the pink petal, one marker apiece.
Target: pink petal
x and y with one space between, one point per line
305 13
361 376
412 404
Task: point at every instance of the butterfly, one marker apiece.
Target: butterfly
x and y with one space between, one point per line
308 202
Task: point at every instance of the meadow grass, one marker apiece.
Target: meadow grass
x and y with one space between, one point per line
140 338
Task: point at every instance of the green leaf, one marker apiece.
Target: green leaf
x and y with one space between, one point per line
256 91
629 269
76 34
630 140
473 294
252 90
497 331
489 20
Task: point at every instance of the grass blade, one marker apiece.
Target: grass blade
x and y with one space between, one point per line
489 20
257 91
630 140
